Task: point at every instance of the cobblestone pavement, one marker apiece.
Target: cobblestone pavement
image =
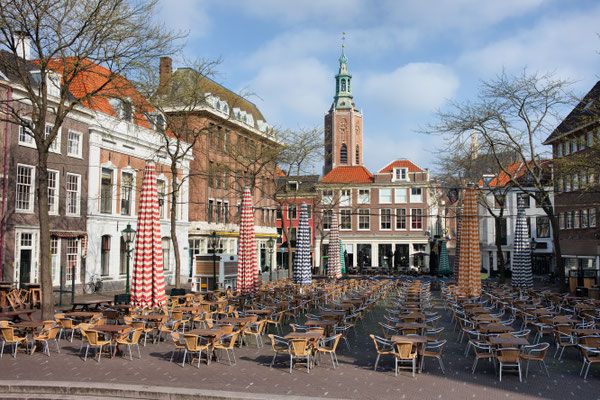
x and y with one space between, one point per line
354 378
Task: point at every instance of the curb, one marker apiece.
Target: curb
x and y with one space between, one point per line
62 390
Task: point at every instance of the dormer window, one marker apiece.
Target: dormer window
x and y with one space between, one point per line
293 186
400 174
157 121
53 82
123 108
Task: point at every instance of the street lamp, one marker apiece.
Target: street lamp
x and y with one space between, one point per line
128 235
271 245
214 242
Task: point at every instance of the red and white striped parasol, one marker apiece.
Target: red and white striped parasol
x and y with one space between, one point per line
247 272
148 281
469 266
334 266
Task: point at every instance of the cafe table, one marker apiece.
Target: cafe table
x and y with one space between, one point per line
211 334
495 328
30 327
417 340
81 315
16 316
508 341
262 312
326 324
312 336
112 331
90 304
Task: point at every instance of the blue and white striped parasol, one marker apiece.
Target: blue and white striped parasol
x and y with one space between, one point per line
521 267
302 272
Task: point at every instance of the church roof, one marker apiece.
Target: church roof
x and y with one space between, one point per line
400 164
353 174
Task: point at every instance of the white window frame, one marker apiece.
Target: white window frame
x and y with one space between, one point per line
345 198
400 174
414 198
77 212
412 216
363 215
29 142
77 258
381 191
55 146
364 197
79 152
31 194
131 195
381 219
559 150
56 188
162 209
327 196
112 189
592 217
55 259
398 197
226 212
349 213
405 220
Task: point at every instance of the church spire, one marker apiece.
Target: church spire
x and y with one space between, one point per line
343 90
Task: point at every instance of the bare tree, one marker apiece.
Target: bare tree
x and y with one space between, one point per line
69 39
516 113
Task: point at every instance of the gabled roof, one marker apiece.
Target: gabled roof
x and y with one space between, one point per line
517 171
355 174
306 183
587 111
400 164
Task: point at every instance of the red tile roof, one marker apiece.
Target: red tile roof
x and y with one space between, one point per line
91 78
516 170
357 174
400 164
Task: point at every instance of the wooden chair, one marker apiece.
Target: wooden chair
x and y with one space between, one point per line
196 345
329 345
280 345
131 339
47 335
227 343
405 352
300 349
9 337
509 357
536 352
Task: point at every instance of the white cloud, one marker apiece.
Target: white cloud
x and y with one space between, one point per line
415 87
305 10
187 15
296 90
567 44
383 147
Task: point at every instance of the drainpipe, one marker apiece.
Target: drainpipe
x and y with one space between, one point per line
2 221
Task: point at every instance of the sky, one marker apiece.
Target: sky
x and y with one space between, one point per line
407 58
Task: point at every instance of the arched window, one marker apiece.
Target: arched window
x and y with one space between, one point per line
357 155
343 85
344 154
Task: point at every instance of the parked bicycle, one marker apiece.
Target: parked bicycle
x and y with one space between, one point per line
94 285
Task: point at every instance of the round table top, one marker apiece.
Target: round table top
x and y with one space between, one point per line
111 328
324 322
28 324
152 316
205 332
82 314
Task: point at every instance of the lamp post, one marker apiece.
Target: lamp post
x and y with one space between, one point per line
214 242
271 244
128 235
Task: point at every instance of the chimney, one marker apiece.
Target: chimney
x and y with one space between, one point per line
166 69
22 44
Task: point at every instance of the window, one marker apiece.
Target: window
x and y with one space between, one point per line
590 139
25 184
73 194
345 198
123 108
364 196
575 184
573 145
526 199
576 219
346 219
160 189
581 142
357 155
560 185
566 148
210 211
122 257
166 251
400 195
559 150
106 191
72 258
327 196
218 210
561 220
225 212
55 257
364 219
592 217
126 192
542 227
26 135
385 219
401 219
416 219
567 184
385 196
53 192
568 220
55 145
74 144
293 186
416 195
105 254
327 218
584 218
503 231
292 212
279 213
344 154
400 174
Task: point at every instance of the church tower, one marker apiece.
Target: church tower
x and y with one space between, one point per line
343 124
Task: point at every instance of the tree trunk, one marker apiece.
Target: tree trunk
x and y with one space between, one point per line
174 202
498 240
45 270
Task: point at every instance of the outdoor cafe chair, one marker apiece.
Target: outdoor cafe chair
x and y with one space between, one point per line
196 345
47 335
391 320
563 339
255 329
383 346
509 357
314 317
178 343
299 328
130 339
280 345
535 352
9 337
227 343
541 329
524 333
590 356
434 334
433 322
482 350
94 342
434 350
508 322
405 352
329 345
300 349
388 330
276 319
145 330
66 325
